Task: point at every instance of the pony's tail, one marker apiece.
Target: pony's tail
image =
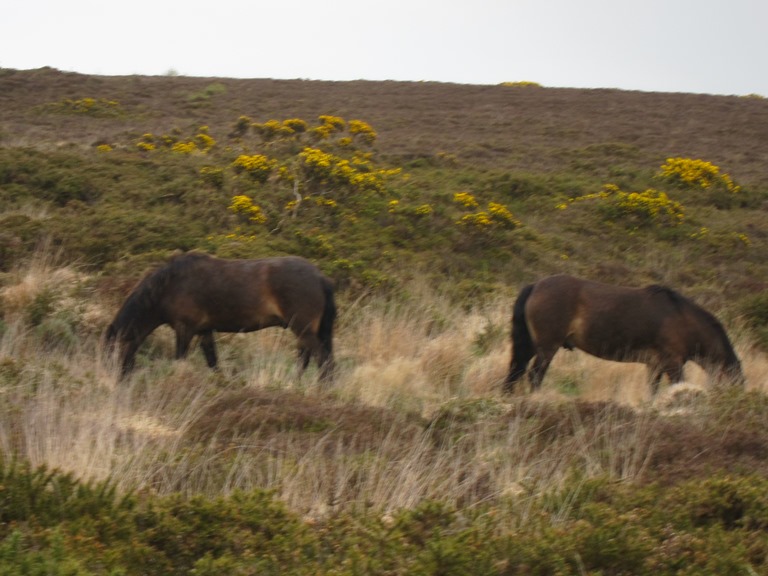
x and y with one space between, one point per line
325 330
522 343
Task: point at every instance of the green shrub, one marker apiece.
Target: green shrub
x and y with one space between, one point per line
48 498
250 525
22 555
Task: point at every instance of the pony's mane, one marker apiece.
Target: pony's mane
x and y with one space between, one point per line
682 303
152 286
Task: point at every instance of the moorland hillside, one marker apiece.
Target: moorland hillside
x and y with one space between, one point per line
429 205
96 154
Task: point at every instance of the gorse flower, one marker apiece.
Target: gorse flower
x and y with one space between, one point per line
465 199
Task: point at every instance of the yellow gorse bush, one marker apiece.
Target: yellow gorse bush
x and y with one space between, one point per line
146 143
478 220
88 106
200 142
652 205
243 206
329 125
495 216
648 207
272 129
695 173
296 125
326 169
203 141
501 213
362 131
257 166
241 127
522 84
336 123
184 147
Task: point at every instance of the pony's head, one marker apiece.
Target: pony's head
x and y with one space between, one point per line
134 321
714 350
727 372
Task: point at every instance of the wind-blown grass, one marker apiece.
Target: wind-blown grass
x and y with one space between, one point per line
415 414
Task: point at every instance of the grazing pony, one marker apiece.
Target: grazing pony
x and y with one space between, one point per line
653 325
197 294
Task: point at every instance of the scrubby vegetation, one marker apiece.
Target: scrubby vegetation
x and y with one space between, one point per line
429 205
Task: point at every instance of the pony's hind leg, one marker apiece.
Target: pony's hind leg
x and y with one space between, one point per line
305 355
311 345
208 345
540 367
517 368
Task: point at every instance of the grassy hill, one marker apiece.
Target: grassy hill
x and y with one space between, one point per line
525 147
429 204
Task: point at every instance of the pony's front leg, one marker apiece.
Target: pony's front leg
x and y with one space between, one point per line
128 357
208 346
672 368
183 339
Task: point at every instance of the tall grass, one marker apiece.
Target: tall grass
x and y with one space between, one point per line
416 412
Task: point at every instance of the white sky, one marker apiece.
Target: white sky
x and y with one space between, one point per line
708 46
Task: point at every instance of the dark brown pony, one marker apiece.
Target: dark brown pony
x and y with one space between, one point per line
654 325
196 294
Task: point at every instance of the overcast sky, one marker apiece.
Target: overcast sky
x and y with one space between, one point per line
705 46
